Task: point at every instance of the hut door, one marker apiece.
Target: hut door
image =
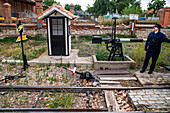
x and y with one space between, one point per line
57 36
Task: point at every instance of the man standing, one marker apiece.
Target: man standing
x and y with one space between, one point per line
154 41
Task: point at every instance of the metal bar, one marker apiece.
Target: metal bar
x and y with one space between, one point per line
48 110
125 40
115 32
34 106
72 89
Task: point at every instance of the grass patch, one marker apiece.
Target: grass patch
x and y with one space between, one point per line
33 47
64 100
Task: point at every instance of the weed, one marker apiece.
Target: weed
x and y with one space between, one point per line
64 99
30 78
51 79
75 64
64 79
26 81
72 84
18 81
46 75
47 67
11 88
68 64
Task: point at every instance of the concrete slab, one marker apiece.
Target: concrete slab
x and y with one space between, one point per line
154 79
73 59
117 78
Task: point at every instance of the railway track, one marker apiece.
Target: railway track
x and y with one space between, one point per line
72 89
90 96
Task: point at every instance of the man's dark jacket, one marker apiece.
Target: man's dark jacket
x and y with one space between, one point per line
154 41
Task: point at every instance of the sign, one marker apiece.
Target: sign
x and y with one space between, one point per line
153 18
39 25
23 38
20 28
134 16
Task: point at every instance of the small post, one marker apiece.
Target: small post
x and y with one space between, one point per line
25 64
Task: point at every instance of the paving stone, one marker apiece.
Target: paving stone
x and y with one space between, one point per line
157 92
153 98
144 98
138 96
163 95
167 98
143 102
132 94
140 93
155 95
151 102
135 99
156 78
164 92
135 103
161 98
160 102
150 93
167 101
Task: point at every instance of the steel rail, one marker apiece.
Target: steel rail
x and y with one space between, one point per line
49 110
72 89
46 109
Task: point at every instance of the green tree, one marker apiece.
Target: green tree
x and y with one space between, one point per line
90 9
67 7
101 7
121 4
77 8
134 9
49 3
156 5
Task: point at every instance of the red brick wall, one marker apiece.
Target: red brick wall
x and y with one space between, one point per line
7 12
165 17
18 6
39 8
1 8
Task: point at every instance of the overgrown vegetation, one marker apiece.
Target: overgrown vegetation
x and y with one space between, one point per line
107 22
63 99
33 47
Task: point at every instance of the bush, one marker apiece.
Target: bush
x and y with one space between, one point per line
107 22
164 57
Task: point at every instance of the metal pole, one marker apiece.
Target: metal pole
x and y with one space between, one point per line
115 31
22 51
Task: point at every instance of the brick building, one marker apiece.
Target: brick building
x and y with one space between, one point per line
164 14
20 8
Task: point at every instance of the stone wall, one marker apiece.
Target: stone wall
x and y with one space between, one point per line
90 32
143 33
10 31
140 33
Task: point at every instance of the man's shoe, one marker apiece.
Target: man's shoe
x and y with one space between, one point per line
150 72
142 71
